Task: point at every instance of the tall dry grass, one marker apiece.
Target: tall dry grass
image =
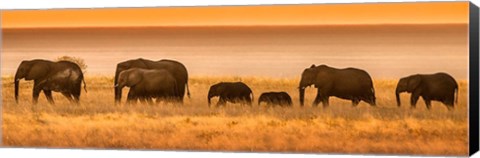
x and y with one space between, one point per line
341 128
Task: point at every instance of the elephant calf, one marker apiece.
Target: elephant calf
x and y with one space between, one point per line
439 87
275 98
146 84
234 92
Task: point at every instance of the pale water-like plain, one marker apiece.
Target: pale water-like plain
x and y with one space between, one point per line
385 51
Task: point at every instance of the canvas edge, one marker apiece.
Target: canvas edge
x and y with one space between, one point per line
474 87
474 79
1 85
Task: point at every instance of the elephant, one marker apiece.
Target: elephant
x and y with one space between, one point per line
177 69
234 92
63 76
145 84
438 87
348 83
275 98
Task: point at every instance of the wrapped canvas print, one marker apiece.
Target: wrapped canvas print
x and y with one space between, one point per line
373 78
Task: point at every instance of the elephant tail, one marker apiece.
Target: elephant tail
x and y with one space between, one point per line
456 95
176 91
252 95
188 90
84 85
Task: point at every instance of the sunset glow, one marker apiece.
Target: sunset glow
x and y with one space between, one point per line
323 14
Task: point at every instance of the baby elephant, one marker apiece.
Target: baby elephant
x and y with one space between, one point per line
234 92
275 98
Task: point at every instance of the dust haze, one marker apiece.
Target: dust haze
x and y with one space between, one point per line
385 51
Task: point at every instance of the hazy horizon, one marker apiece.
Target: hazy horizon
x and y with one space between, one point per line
385 51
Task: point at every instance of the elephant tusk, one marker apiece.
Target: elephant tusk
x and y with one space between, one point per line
116 85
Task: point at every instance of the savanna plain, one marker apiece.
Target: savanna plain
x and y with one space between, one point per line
98 123
211 55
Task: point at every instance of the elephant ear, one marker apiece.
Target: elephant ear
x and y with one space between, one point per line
123 66
134 78
414 82
37 71
220 88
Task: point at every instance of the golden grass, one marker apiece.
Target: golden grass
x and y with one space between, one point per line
98 123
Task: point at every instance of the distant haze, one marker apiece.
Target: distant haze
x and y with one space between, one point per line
385 51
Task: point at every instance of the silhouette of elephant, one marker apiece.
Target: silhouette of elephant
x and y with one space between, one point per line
275 98
63 76
439 87
145 84
349 83
177 69
234 92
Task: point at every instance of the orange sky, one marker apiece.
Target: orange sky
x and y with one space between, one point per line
325 14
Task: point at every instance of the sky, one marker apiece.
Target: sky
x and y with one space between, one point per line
323 14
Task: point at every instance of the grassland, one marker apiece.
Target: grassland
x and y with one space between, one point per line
98 123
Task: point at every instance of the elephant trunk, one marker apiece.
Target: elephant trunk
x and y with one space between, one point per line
118 90
209 97
260 99
301 89
302 95
209 102
17 82
397 95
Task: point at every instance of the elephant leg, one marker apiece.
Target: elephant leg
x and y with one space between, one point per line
370 100
355 102
75 93
36 93
449 102
76 98
131 98
180 91
149 100
158 99
325 102
248 100
428 102
48 95
221 102
449 105
413 100
68 96
142 99
178 99
317 99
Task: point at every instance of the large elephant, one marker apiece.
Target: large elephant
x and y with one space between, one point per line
145 84
439 87
177 69
62 76
234 92
275 98
349 83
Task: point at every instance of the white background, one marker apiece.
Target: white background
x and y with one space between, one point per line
73 153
